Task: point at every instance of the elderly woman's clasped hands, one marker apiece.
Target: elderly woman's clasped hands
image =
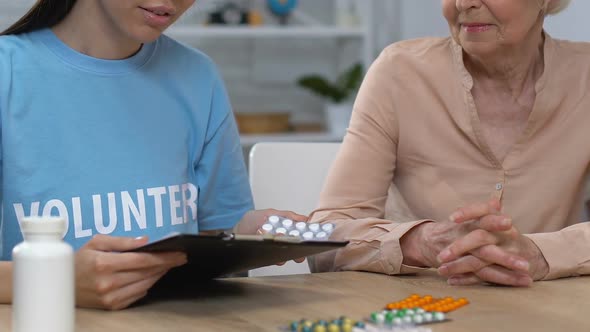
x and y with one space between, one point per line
480 244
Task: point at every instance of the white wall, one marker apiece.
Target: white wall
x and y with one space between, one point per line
260 75
420 18
10 10
573 23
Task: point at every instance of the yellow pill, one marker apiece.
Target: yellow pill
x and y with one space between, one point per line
333 328
319 328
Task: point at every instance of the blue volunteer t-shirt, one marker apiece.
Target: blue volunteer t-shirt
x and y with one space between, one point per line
142 146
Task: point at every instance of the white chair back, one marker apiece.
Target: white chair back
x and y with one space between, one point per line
289 176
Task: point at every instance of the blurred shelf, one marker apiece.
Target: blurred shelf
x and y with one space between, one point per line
188 31
248 140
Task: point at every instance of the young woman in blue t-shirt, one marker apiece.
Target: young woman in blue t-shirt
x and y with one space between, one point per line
123 132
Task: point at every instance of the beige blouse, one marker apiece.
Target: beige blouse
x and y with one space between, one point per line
415 151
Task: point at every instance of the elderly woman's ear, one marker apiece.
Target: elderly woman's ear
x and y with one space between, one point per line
553 7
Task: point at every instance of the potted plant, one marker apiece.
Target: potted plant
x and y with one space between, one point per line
339 95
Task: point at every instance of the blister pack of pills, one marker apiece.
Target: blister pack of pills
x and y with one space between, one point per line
345 324
280 226
416 310
412 314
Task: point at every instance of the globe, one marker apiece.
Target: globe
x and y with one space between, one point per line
282 7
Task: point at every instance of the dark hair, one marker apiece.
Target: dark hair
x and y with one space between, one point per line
44 14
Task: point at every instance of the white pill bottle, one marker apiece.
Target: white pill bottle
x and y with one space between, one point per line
43 278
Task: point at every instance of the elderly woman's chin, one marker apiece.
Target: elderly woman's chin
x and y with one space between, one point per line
479 48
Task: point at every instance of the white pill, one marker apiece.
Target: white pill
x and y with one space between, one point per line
301 226
307 235
314 227
428 317
274 220
328 228
418 319
410 312
407 319
287 223
295 233
380 318
321 235
267 228
281 230
439 316
397 321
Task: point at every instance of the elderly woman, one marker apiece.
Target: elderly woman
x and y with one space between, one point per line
468 154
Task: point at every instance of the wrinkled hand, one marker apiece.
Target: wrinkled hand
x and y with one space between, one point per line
109 280
501 255
422 245
252 222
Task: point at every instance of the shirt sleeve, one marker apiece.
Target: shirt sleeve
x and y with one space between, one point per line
356 189
224 190
567 251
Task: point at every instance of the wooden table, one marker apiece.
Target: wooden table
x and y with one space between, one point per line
264 304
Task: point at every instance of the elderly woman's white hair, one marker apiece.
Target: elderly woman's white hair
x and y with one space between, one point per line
556 6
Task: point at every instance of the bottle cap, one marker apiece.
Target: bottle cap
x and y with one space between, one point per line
43 225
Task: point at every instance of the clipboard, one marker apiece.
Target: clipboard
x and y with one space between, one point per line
211 256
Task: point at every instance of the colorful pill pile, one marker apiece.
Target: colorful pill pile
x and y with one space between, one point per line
342 324
276 225
428 303
406 317
416 310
